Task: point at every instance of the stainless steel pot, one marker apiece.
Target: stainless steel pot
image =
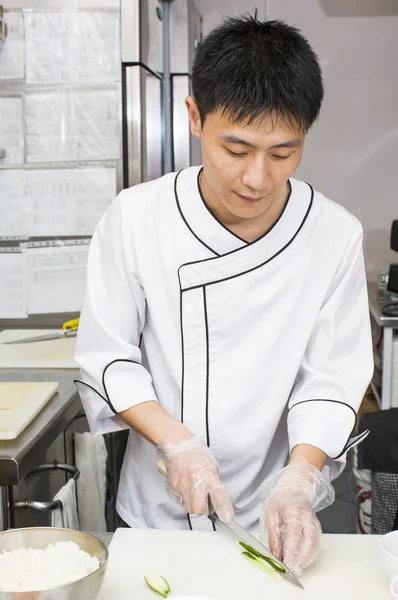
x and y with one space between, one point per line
86 588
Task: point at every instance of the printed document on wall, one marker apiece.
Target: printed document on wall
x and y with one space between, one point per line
11 130
12 57
76 46
13 206
56 277
13 297
72 125
68 202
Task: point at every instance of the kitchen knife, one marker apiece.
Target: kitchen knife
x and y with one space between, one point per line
241 535
69 330
42 338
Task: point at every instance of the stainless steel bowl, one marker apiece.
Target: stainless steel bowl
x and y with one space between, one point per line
86 588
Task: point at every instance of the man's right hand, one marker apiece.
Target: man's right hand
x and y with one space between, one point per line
193 478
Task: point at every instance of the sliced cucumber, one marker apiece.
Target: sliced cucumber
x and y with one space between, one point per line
259 562
260 556
256 561
158 584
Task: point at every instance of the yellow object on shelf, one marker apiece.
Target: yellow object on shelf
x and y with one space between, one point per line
71 325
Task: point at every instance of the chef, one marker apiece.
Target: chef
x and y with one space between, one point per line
226 319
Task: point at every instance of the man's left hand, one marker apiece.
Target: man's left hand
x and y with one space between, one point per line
292 497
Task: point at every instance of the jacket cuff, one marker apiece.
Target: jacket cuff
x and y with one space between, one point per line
326 424
126 383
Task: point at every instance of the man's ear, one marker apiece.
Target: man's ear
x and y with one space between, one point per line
195 121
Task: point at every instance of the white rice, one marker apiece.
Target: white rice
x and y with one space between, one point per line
29 569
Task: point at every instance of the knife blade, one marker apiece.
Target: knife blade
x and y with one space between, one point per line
41 338
242 535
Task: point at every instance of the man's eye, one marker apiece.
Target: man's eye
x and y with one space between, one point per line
279 157
236 153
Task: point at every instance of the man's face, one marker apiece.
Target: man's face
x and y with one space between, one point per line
246 165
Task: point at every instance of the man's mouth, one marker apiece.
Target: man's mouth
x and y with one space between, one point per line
249 199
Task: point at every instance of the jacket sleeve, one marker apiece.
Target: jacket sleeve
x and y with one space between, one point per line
111 322
337 366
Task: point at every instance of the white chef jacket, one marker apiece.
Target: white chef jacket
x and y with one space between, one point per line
254 346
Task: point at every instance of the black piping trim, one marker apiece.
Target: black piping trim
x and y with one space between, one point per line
184 219
135 362
182 383
207 379
107 399
345 448
207 375
207 367
214 216
76 381
235 234
194 287
218 281
182 361
323 400
356 441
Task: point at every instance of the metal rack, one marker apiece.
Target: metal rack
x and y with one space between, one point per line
52 504
19 457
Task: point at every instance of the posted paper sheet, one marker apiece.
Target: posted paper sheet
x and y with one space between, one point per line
13 204
56 278
72 125
12 58
72 47
54 202
11 130
13 296
68 202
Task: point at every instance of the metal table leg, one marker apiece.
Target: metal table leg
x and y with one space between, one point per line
4 508
387 368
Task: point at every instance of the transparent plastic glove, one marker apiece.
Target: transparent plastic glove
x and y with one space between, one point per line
193 479
292 497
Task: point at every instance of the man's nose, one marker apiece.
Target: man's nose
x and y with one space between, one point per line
256 175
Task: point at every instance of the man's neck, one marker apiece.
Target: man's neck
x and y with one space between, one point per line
249 229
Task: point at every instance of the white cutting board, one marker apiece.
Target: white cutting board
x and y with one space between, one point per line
20 402
210 565
50 354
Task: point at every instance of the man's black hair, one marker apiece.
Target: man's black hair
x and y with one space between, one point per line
254 70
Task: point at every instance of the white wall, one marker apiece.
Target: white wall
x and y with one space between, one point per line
214 11
351 155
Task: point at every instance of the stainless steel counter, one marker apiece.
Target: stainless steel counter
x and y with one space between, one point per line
19 456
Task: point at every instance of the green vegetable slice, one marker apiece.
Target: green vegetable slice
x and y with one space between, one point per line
158 584
259 562
256 561
258 555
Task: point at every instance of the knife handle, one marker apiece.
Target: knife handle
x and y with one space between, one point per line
161 467
70 333
71 325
